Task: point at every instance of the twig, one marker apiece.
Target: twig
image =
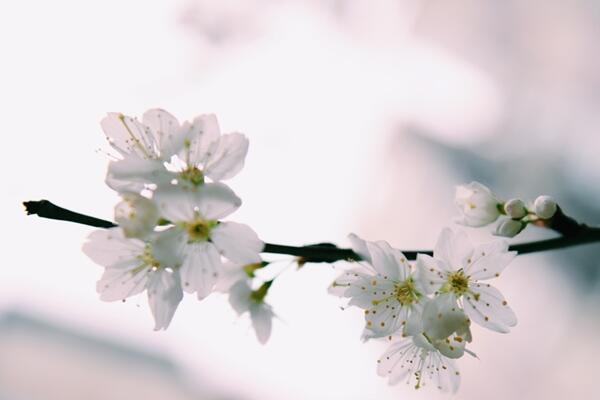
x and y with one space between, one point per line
573 234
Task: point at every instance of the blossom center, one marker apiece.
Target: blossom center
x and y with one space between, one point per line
199 229
146 260
458 282
192 174
405 292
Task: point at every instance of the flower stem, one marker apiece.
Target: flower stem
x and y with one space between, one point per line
573 234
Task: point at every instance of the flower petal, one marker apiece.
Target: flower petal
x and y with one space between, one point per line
386 318
387 261
168 247
200 268
360 247
123 185
262 317
237 242
430 274
164 295
108 247
453 248
216 200
165 130
231 273
202 135
348 283
239 297
445 375
175 203
487 307
137 170
227 158
489 260
120 283
442 317
128 136
395 361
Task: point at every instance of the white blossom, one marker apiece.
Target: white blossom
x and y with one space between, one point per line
243 299
456 271
144 148
159 149
545 207
136 215
404 360
200 235
437 335
383 285
132 266
477 205
206 152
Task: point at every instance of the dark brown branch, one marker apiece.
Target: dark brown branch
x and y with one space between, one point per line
574 234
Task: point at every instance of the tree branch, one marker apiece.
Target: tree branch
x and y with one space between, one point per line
574 234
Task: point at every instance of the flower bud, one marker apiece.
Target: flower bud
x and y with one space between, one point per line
136 215
477 205
515 208
544 207
509 228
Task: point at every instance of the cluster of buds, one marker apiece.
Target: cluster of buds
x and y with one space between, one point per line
479 206
425 309
171 236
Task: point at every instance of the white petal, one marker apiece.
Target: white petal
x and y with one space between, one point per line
489 260
231 273
216 200
123 185
414 322
453 248
453 347
489 309
165 130
164 295
200 269
346 283
168 247
386 318
442 317
108 247
227 158
239 297
359 246
262 317
177 204
120 283
203 135
138 170
445 375
128 136
388 262
430 274
237 242
396 363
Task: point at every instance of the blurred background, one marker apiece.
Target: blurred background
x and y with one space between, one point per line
362 117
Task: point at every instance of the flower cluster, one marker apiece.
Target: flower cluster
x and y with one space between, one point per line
479 206
425 309
171 236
